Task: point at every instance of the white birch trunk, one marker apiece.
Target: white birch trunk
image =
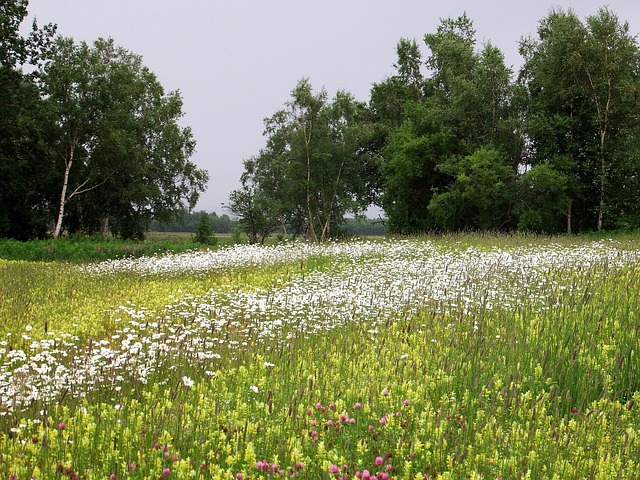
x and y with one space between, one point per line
63 195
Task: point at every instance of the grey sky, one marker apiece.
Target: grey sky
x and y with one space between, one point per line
236 62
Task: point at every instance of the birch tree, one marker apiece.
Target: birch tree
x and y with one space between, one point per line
314 168
584 104
117 141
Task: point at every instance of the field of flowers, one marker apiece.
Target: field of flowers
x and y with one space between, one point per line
435 358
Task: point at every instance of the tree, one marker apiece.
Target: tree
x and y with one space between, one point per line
481 196
204 233
390 103
611 64
223 224
584 99
14 48
390 97
257 216
462 133
123 159
316 165
409 170
24 180
543 198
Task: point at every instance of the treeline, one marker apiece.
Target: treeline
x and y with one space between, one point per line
452 140
192 222
89 140
455 140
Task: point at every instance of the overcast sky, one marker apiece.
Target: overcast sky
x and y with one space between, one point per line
236 62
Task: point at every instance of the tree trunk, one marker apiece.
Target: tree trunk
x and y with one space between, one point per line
104 226
602 118
603 175
63 195
569 219
310 228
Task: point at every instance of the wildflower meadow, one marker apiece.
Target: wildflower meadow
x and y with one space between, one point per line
458 357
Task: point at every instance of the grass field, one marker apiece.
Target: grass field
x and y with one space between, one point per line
452 357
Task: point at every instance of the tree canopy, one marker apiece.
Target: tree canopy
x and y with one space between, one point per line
455 140
452 140
90 140
583 86
312 172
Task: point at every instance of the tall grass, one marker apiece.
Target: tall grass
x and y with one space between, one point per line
456 357
81 249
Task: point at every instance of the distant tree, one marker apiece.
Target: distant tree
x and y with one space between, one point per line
186 221
204 234
123 159
364 227
223 224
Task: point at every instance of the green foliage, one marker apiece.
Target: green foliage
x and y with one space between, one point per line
186 221
25 180
315 168
584 98
80 249
410 172
481 195
434 161
14 48
572 112
89 141
258 210
205 234
543 199
365 227
125 158
24 175
545 385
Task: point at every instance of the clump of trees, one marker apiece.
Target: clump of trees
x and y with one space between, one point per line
457 141
89 140
315 168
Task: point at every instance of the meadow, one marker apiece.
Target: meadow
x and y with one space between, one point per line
475 357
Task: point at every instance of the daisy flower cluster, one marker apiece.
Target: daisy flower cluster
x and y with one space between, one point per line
369 281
